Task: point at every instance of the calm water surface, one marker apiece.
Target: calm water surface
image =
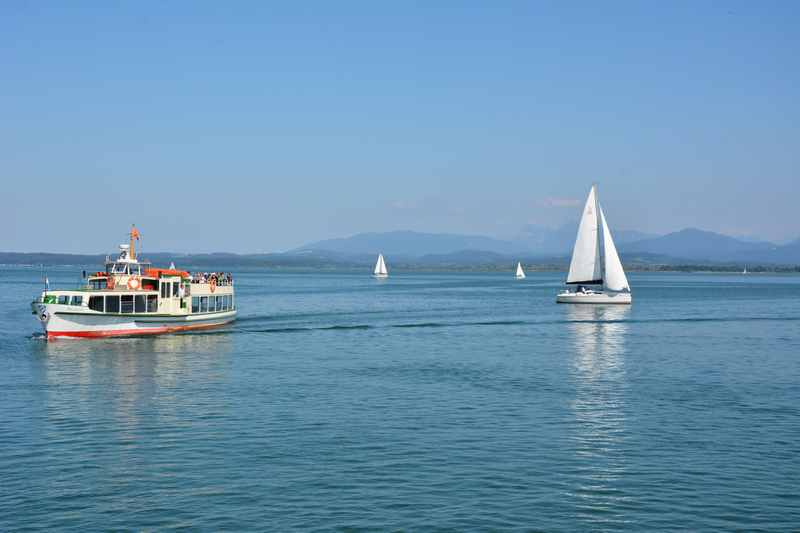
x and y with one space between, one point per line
423 402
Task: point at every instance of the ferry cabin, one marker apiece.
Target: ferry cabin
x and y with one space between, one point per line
157 292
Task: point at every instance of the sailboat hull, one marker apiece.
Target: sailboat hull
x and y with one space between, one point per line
623 298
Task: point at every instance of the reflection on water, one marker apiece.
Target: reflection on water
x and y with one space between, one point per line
128 384
598 371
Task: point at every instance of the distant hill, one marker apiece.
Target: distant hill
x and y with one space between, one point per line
411 244
694 244
786 254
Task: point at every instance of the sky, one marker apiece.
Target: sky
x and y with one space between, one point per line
260 126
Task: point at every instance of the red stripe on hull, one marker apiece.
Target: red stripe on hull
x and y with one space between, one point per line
131 332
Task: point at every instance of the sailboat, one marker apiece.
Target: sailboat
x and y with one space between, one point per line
745 270
595 261
380 268
520 272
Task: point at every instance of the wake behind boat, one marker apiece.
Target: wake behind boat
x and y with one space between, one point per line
133 298
595 261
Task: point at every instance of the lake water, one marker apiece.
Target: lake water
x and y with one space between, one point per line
423 402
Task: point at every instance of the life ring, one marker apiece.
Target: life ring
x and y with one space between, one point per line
110 282
133 283
213 284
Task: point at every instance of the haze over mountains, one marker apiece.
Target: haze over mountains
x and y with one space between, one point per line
537 242
533 244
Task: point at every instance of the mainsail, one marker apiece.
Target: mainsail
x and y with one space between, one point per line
585 267
520 272
380 267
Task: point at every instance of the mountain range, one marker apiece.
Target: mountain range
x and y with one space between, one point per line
533 245
540 243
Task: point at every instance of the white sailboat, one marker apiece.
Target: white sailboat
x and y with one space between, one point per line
520 272
380 268
745 270
595 261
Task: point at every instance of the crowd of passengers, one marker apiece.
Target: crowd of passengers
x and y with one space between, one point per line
221 278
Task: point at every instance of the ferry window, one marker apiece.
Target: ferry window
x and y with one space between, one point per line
63 300
96 303
77 300
98 284
112 304
174 290
127 303
211 305
195 304
164 289
152 303
139 306
203 304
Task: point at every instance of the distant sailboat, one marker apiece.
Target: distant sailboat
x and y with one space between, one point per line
380 268
745 270
595 261
520 272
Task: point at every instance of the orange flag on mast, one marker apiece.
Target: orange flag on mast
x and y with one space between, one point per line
134 233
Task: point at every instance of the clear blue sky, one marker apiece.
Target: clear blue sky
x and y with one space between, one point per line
260 126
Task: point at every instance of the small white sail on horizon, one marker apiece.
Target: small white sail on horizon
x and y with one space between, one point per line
380 268
595 260
520 273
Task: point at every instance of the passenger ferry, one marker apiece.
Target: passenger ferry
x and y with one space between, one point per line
131 297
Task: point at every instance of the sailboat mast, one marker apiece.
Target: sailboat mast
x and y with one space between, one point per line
600 236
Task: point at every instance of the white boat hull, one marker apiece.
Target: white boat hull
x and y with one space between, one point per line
380 276
63 321
594 298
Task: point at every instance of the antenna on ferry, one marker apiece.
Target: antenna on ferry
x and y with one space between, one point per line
45 280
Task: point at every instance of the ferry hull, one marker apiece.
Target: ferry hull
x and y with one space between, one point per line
623 298
85 325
